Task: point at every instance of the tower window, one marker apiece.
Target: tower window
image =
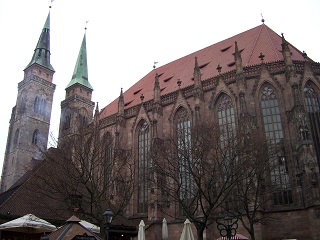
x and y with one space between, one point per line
35 137
67 121
16 138
43 106
36 105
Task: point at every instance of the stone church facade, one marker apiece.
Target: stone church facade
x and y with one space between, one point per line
256 76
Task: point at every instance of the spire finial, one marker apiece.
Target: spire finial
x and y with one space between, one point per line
50 4
237 58
304 54
262 19
85 28
154 64
236 46
196 65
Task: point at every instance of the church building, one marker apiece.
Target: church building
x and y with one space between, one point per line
256 76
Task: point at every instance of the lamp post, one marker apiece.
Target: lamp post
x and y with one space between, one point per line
227 228
107 215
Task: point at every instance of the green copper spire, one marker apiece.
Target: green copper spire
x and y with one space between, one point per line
80 73
41 54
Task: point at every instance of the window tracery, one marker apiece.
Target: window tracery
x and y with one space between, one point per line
143 166
274 135
312 104
183 134
226 120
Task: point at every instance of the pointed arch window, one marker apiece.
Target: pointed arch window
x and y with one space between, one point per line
67 119
313 110
226 120
36 105
16 137
108 158
143 166
35 137
274 135
183 135
42 109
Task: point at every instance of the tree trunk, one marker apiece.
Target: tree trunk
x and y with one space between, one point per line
200 229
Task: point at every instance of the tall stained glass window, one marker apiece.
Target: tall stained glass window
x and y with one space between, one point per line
274 135
313 111
226 121
143 166
108 157
183 133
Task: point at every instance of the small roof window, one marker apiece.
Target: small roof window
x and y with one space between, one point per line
225 49
168 79
203 65
136 92
126 104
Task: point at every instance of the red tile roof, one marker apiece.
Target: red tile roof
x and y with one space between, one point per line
251 43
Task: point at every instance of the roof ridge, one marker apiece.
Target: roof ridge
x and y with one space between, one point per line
275 49
255 44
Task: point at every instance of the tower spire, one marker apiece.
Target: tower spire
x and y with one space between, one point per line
80 73
41 54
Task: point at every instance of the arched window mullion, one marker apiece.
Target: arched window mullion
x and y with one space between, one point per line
274 135
143 166
183 138
313 111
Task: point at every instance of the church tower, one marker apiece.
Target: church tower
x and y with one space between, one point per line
77 108
30 117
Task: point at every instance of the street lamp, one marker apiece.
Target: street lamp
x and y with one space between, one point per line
227 228
107 215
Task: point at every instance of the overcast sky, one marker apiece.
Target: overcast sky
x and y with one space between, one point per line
125 37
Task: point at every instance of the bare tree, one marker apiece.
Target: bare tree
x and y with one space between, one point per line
253 191
195 173
87 173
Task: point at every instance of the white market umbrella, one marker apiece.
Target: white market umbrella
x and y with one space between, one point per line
28 224
164 229
187 231
90 226
141 233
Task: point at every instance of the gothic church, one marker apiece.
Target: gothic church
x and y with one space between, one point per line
256 74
